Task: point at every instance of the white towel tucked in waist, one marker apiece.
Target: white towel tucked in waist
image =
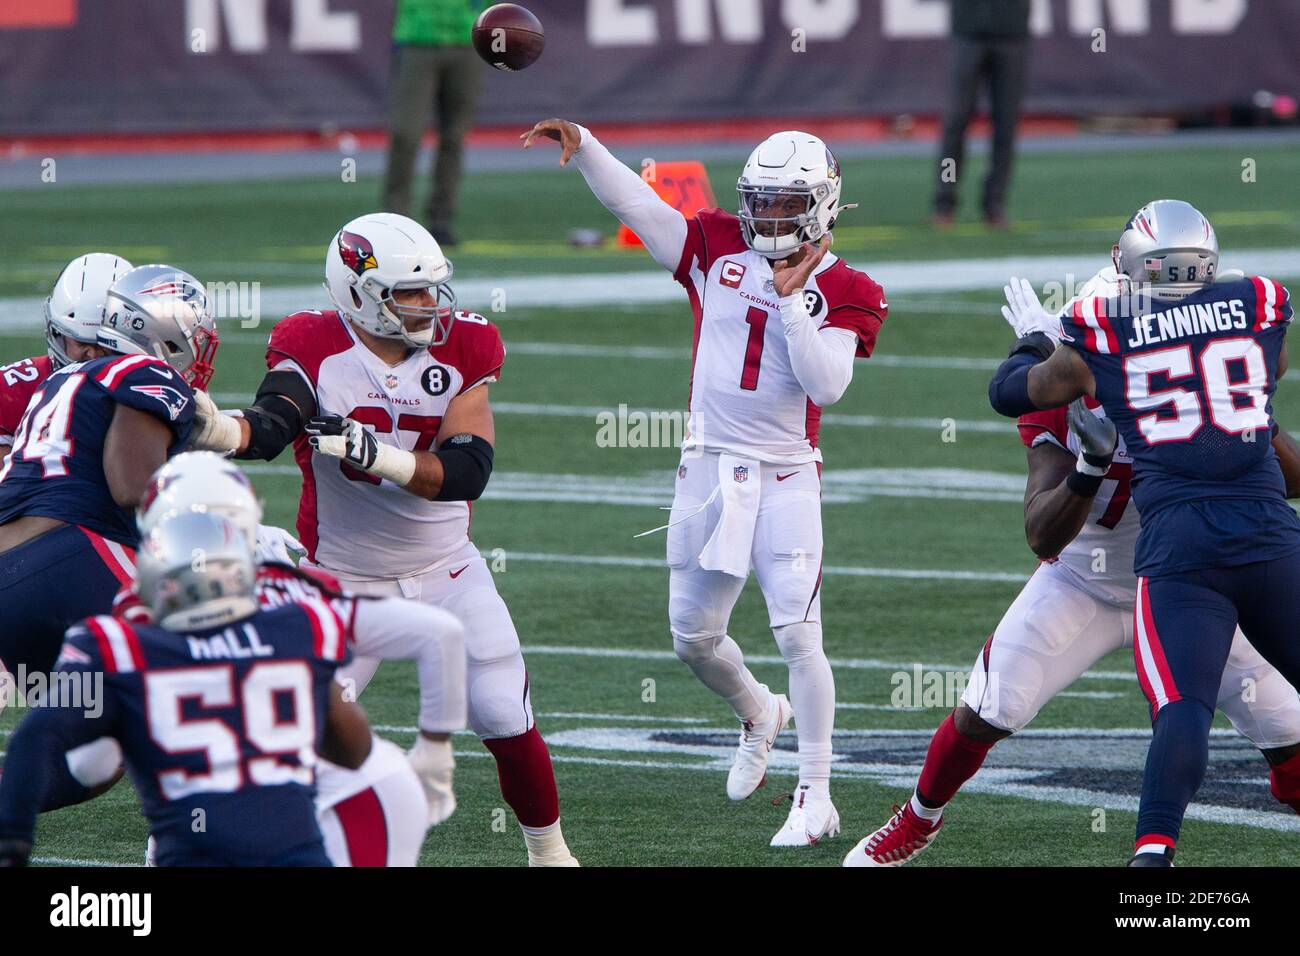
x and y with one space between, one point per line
728 548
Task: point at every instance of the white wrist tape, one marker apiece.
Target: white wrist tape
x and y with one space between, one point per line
1094 471
395 464
220 433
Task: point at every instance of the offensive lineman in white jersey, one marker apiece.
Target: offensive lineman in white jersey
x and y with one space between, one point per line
1075 609
385 401
778 323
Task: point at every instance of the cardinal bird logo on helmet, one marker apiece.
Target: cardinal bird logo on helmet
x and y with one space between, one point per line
357 252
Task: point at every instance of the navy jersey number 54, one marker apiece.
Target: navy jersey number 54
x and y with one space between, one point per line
56 466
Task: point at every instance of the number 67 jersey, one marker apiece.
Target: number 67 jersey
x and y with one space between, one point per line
1189 384
350 521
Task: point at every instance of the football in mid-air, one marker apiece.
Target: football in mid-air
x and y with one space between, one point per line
508 37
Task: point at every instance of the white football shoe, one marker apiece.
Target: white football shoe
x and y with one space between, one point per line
812 819
749 768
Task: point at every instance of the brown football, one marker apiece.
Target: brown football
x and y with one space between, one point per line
508 37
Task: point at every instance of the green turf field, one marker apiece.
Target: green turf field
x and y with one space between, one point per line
640 747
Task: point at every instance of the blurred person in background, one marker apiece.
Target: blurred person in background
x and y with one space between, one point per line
990 43
434 65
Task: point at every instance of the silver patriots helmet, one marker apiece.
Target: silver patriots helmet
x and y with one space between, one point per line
162 312
1169 248
195 570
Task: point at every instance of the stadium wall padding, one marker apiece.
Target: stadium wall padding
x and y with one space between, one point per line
102 66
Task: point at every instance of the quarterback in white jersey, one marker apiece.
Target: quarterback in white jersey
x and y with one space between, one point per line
385 401
779 321
1075 609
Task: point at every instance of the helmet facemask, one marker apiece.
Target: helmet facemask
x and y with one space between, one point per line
777 220
432 322
54 338
394 315
204 342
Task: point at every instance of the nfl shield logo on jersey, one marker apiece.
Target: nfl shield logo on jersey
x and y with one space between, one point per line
390 382
740 473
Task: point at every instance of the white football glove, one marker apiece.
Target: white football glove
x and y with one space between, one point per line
213 431
1025 314
433 763
277 545
357 445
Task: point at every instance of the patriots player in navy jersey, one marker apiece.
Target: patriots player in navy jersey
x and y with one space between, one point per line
219 709
1186 368
91 437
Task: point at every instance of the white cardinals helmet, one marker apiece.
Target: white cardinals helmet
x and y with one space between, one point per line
789 193
75 306
376 254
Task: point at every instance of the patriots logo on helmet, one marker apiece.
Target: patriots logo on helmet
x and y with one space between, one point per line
175 286
357 252
172 399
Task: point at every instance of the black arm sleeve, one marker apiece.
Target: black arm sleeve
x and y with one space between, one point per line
1009 387
466 465
283 403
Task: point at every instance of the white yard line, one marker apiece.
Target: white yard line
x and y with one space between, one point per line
643 286
629 561
66 861
655 488
843 663
935 424
556 410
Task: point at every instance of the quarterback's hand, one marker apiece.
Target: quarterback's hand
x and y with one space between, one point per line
277 545
788 279
433 763
14 852
1097 436
343 438
1025 314
213 431
562 131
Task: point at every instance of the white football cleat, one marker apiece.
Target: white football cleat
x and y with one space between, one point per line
812 819
749 768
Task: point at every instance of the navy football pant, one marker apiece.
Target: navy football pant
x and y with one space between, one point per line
52 582
1183 628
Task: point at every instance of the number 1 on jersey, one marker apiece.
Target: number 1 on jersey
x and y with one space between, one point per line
756 318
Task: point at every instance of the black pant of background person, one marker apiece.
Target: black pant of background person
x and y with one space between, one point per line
446 80
1004 63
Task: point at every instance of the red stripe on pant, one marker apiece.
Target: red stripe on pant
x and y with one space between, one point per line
1142 610
364 828
115 567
